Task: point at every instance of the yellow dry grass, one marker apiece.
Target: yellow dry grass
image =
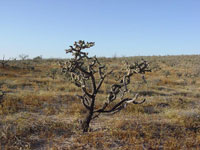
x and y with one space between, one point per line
40 112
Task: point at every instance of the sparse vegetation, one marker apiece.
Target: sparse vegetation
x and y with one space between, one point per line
40 113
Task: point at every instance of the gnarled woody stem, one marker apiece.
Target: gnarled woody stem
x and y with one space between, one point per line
83 69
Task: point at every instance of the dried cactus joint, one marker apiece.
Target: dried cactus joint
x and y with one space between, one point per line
83 68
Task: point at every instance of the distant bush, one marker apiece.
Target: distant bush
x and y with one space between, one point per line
38 58
4 62
23 56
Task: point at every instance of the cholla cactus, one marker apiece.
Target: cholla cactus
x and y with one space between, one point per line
89 74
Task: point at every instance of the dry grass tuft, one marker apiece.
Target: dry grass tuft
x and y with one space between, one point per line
40 109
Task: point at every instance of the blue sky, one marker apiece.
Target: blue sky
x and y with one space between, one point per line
118 27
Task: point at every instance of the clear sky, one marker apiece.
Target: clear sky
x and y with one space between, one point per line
118 27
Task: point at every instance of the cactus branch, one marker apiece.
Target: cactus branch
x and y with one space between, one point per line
89 74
